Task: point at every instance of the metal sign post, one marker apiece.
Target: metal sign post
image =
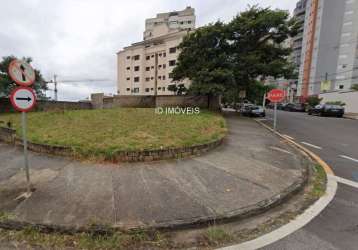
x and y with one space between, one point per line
26 160
275 117
275 96
23 99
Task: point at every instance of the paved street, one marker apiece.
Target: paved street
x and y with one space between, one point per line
336 142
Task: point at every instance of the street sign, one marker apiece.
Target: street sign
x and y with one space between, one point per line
276 95
23 99
22 73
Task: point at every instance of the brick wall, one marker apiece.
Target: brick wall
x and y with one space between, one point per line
5 105
100 101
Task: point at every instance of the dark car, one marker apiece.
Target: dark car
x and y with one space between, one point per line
327 110
253 111
295 107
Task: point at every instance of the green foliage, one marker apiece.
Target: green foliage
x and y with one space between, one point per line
339 103
313 101
221 58
7 85
215 236
179 89
354 87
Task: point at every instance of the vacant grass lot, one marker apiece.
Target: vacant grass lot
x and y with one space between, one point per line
103 132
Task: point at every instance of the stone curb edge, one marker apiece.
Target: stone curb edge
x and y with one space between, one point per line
9 136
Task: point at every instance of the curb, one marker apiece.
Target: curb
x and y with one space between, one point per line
302 219
9 136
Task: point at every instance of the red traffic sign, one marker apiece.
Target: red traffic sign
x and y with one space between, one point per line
276 95
22 73
23 99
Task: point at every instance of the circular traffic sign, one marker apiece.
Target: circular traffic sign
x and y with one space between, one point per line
276 95
22 73
23 99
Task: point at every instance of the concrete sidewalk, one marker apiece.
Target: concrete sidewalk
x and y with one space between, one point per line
252 170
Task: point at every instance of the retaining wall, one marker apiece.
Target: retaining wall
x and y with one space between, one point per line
41 105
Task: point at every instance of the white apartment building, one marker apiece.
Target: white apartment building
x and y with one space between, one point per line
144 68
329 51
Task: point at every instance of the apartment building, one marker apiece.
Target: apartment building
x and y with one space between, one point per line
299 13
347 66
144 68
328 24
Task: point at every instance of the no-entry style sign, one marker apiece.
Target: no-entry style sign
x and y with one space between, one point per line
276 95
22 73
23 99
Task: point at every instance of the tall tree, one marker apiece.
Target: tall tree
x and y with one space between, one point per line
229 57
7 85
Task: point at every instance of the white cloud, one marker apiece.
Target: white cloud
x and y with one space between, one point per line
78 39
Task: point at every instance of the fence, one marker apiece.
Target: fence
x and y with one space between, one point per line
350 98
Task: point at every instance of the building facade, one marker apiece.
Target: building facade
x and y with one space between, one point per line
144 68
327 26
299 13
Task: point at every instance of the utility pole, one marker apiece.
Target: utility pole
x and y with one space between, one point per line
264 101
55 82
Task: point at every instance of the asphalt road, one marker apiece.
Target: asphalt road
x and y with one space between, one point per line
335 140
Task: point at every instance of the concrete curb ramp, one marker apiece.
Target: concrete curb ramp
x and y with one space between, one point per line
249 173
301 220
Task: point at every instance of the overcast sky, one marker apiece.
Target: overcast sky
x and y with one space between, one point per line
78 39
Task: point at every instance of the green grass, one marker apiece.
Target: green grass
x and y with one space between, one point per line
319 182
104 132
31 238
215 236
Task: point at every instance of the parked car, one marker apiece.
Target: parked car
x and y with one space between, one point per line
327 110
253 111
295 107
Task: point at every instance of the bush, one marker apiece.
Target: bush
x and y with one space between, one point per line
313 101
339 103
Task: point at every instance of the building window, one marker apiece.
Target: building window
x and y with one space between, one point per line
146 89
160 66
164 54
147 79
163 77
152 78
152 67
152 56
151 89
136 79
172 63
160 77
159 88
341 86
147 58
136 68
128 78
147 68
128 68
164 66
128 89
172 50
136 90
136 57
160 54
163 88
170 75
189 21
128 57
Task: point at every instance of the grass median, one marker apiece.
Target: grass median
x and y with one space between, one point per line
101 133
